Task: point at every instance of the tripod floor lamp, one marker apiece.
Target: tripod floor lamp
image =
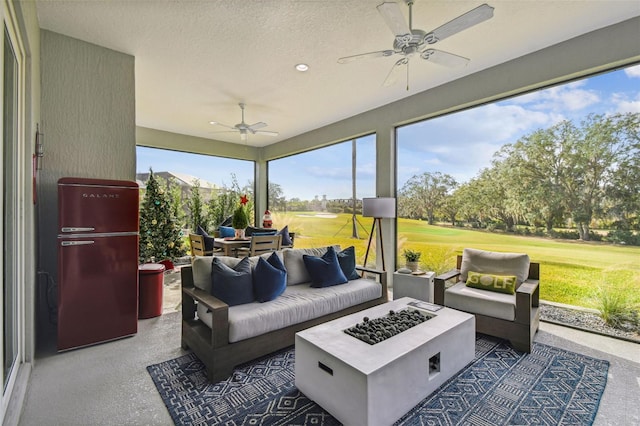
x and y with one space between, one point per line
378 208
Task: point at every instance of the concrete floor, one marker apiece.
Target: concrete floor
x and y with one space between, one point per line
108 384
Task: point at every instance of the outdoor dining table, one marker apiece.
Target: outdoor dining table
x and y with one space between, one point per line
228 245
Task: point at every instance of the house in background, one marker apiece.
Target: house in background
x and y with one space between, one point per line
184 181
84 95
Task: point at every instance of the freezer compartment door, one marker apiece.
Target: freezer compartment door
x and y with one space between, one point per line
94 206
97 289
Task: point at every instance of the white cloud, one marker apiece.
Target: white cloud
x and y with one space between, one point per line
568 97
629 106
461 144
622 103
633 72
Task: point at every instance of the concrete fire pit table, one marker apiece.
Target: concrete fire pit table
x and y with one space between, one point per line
364 384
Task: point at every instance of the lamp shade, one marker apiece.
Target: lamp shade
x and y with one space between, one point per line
379 207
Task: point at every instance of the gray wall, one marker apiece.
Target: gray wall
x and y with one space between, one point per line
88 120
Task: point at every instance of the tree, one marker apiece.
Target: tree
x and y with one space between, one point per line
160 234
592 150
535 166
196 207
624 192
220 207
175 197
423 195
276 197
451 208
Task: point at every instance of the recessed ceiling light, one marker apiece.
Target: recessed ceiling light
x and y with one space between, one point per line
302 67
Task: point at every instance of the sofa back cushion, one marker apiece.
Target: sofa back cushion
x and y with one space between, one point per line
201 266
491 262
296 270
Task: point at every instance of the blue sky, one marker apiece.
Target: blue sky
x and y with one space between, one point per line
459 144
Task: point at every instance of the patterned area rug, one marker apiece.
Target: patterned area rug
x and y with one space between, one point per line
501 386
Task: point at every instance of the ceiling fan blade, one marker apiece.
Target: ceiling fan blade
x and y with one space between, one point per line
223 131
444 58
256 126
215 123
380 54
394 18
266 133
461 23
397 70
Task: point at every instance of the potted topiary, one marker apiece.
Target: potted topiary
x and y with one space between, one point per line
239 221
412 259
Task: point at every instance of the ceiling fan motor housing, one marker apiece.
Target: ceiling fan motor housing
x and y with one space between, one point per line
409 43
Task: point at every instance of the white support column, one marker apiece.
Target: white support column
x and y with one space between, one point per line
386 187
261 190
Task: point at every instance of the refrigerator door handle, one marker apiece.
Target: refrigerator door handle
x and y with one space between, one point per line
76 243
77 229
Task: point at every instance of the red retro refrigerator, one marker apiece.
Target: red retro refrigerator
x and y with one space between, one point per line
97 261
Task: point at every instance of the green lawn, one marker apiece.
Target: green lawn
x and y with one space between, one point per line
572 272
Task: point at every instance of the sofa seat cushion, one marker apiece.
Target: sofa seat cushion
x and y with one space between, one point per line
297 304
483 302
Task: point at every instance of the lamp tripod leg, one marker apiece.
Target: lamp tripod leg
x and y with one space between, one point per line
366 256
384 269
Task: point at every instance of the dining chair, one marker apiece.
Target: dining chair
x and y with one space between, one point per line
260 244
197 243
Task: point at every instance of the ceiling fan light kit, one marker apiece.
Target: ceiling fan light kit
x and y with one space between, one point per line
409 42
243 128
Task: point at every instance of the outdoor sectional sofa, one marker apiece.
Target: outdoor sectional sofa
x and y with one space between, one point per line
224 336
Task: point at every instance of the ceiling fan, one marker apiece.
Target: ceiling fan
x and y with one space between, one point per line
409 42
245 128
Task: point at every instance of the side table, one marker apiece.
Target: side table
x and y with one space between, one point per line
416 286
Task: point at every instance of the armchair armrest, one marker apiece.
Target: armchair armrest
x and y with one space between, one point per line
527 298
528 286
439 283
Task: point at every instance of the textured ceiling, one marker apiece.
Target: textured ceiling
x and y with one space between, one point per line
196 60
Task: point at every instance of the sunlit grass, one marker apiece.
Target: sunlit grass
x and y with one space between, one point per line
571 272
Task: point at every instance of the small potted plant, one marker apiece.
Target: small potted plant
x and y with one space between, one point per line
239 221
412 259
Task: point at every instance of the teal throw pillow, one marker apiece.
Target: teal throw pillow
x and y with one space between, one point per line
324 271
269 278
234 286
347 260
497 283
227 231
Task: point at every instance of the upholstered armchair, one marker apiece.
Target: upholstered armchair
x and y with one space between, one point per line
484 282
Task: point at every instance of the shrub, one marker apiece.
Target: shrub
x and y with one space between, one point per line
439 259
564 234
616 310
619 236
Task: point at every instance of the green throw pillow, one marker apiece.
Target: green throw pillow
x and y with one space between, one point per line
499 283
